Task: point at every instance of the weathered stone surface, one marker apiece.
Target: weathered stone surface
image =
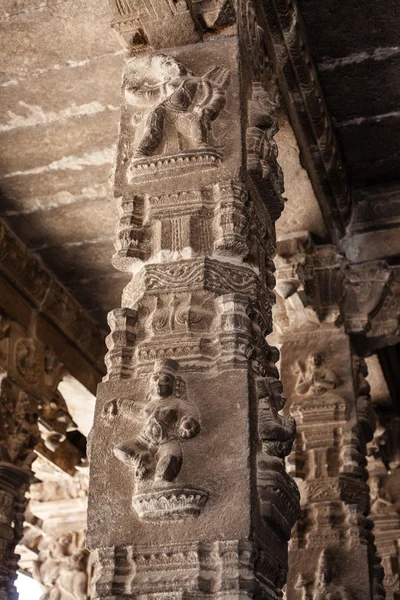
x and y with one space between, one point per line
191 381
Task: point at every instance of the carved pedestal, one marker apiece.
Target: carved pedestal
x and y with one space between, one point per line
188 495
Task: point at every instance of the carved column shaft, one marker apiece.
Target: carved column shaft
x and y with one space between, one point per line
332 551
188 493
33 418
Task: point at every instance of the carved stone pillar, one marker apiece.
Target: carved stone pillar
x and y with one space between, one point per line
332 552
55 534
33 418
188 492
384 483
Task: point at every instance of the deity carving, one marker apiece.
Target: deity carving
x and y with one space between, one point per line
315 379
19 431
168 419
173 108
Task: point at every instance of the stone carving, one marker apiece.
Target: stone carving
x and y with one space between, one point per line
262 151
27 361
328 584
277 432
365 289
62 567
162 24
120 342
308 111
278 494
231 220
315 378
173 113
155 456
19 431
56 304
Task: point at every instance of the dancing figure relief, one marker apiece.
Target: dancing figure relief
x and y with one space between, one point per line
154 455
173 108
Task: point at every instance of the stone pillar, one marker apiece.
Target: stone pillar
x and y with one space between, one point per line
188 492
33 418
332 552
384 483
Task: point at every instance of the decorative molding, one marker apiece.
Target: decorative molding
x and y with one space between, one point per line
170 504
164 24
304 101
200 569
318 287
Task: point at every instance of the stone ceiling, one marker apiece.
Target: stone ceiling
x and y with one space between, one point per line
58 129
59 114
356 49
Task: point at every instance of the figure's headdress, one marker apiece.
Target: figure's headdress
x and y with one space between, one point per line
166 365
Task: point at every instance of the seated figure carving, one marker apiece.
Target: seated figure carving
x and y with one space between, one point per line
168 420
174 108
315 379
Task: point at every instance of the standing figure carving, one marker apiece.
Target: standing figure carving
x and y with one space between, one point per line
155 455
168 420
174 109
315 379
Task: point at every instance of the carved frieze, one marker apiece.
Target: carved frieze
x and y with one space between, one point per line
19 426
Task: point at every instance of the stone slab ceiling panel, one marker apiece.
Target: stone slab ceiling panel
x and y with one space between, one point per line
59 87
356 49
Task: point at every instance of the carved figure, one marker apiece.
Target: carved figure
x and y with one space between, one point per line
27 361
174 109
328 586
20 431
168 420
276 432
62 568
316 379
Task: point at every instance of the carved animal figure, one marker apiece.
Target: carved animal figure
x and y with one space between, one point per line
172 105
168 420
316 378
